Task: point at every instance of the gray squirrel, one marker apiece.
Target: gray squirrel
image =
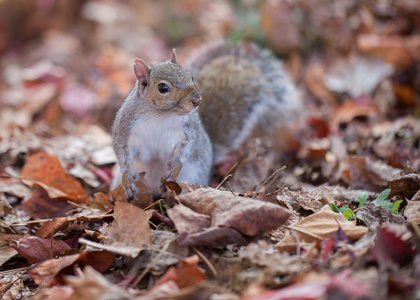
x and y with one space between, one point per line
168 129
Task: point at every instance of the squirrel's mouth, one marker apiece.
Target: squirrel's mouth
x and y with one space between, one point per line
180 109
186 106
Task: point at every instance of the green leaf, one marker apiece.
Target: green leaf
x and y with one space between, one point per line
334 208
383 195
397 206
343 208
392 206
362 199
385 204
349 214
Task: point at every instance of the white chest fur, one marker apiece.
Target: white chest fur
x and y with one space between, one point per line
153 140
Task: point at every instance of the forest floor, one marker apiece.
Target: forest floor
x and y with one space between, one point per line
332 211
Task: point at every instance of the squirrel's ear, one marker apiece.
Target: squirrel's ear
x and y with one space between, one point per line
142 71
173 56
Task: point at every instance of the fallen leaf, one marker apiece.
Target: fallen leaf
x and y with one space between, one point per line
358 75
40 205
316 199
186 274
366 174
350 110
78 100
314 80
240 213
170 254
130 228
397 50
35 249
318 227
46 171
49 228
213 236
372 215
404 185
51 272
412 212
392 247
188 221
6 251
90 284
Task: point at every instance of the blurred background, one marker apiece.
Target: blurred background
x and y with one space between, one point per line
66 67
73 58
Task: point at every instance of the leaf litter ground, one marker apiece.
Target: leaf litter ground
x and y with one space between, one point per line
268 232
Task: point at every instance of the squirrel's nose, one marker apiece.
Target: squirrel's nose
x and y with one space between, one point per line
195 99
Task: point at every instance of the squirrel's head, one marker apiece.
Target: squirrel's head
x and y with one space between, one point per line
167 86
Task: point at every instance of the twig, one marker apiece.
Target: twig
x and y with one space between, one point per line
223 181
276 191
151 205
208 263
69 219
14 270
292 232
230 188
147 269
266 180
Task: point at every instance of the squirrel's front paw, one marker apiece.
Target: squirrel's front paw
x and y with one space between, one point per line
129 187
174 169
131 192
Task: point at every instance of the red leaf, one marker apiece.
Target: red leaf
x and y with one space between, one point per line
35 249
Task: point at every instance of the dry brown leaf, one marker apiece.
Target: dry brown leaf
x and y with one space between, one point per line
188 221
7 252
318 227
49 228
366 174
397 50
186 274
316 199
90 284
129 228
412 212
106 200
50 272
372 215
405 185
249 217
40 205
351 110
314 80
195 229
45 273
46 171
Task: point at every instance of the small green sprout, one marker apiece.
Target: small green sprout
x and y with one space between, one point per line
362 199
380 201
345 210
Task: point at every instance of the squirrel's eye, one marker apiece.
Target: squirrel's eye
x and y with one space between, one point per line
163 88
